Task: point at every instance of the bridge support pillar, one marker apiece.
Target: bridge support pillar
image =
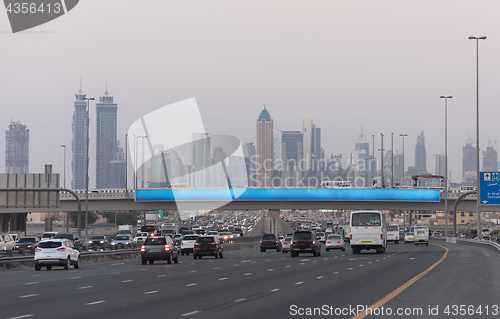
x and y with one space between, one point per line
274 215
4 222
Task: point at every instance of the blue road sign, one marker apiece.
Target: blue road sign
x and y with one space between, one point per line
490 188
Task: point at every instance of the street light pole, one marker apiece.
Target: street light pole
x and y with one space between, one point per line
87 171
64 183
392 160
382 160
477 132
136 159
446 163
403 136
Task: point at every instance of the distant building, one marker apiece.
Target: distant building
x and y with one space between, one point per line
312 145
264 149
249 153
79 142
420 155
201 160
469 163
106 142
490 159
440 165
291 154
277 149
361 162
17 142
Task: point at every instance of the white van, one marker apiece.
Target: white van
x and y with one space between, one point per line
421 236
393 233
368 230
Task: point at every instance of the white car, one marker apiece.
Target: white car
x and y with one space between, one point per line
187 244
409 237
140 238
56 252
7 242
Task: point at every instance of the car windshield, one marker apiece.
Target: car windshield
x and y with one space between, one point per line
409 234
302 236
48 235
392 228
98 238
335 237
269 237
121 238
190 237
366 219
50 244
155 241
26 240
205 239
288 239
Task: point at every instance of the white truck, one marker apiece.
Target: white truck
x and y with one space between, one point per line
124 229
421 235
393 233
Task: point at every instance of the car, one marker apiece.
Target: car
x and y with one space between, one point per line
8 242
269 241
140 237
437 233
177 239
48 235
321 237
159 248
226 237
285 245
76 242
187 244
335 242
15 237
304 241
281 238
122 241
56 252
27 243
98 242
409 237
207 246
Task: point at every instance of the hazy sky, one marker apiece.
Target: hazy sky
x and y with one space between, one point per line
345 64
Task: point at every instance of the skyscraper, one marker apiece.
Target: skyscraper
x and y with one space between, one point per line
469 162
264 149
490 158
440 165
201 159
361 161
312 145
291 152
106 143
17 142
420 155
277 149
79 143
249 152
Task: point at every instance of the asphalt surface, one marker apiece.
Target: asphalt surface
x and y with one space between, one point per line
251 284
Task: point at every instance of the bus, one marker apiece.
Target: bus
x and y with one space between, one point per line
335 184
178 186
393 233
368 230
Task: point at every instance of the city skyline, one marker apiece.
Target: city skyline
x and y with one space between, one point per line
234 64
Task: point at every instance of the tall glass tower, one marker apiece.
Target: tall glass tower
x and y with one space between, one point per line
79 143
17 141
106 142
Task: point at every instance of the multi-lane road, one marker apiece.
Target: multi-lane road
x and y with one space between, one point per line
251 284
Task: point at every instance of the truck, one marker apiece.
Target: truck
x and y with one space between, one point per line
139 225
125 229
486 233
393 233
421 235
368 230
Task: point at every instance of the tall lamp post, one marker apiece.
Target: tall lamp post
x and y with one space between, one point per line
477 132
404 214
64 184
136 159
88 99
446 164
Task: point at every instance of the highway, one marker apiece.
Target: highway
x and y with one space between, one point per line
251 284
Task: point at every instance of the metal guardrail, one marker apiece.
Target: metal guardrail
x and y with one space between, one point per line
472 241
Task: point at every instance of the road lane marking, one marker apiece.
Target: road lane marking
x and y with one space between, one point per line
117 264
151 292
159 276
75 277
247 274
224 278
360 265
216 268
369 262
27 296
287 266
270 269
95 302
85 287
299 283
241 299
32 283
114 273
393 294
319 277
35 275
190 313
20 317
349 268
246 261
192 271
190 285
274 290
129 280
335 273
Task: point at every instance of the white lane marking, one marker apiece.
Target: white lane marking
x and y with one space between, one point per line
268 259
114 273
305 260
247 274
314 261
299 283
31 283
412 258
369 262
236 265
241 299
75 277
270 269
325 258
349 268
129 280
190 285
216 268
190 313
151 292
246 261
35 275
287 266
19 317
360 265
160 276
224 278
192 271
95 302
274 290
144 269
319 277
335 273
117 264
301 263
27 296
85 287
377 260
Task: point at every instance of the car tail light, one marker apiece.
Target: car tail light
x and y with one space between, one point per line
182 242
167 248
381 236
61 249
276 242
328 242
143 249
350 236
340 242
213 244
38 249
261 241
314 243
196 244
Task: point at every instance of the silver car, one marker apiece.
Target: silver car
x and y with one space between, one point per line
335 242
122 241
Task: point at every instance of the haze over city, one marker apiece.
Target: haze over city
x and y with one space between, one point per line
346 65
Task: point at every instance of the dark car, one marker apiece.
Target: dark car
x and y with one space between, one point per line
98 242
27 243
304 241
159 248
76 241
207 246
270 241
